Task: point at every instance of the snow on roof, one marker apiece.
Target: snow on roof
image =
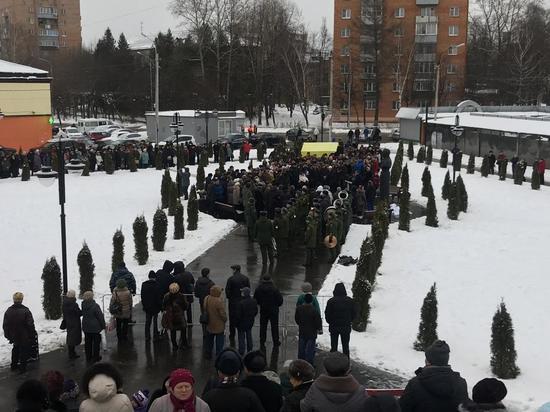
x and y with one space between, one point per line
238 114
503 122
408 113
9 67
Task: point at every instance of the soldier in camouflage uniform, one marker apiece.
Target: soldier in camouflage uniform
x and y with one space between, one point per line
281 230
264 236
250 216
310 238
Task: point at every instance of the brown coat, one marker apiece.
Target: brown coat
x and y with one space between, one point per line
215 307
124 296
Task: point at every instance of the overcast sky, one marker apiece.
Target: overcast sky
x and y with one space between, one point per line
126 16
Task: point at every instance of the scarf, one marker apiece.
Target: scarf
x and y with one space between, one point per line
187 405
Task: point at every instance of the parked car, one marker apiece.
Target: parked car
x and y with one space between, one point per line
73 133
292 134
96 136
135 137
236 140
270 139
182 139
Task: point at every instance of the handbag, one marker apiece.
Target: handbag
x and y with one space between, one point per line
115 308
63 325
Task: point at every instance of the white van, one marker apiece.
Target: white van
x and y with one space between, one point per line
87 125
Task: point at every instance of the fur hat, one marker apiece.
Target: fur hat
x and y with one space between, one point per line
489 390
438 353
102 368
71 294
88 295
229 362
301 370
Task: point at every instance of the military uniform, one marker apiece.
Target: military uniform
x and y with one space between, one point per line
280 231
264 236
310 240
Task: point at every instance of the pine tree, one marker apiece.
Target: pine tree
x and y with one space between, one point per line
204 158
241 155
86 269
431 212
397 165
140 240
471 165
485 166
462 195
260 152
200 178
108 162
404 215
410 151
158 159
26 172
179 225
362 287
86 170
429 155
445 190
192 210
535 178
251 165
210 150
222 154
378 239
444 159
180 161
52 300
118 250
421 155
405 179
452 207
503 349
381 216
427 189
427 330
132 163
172 199
160 228
165 188
178 183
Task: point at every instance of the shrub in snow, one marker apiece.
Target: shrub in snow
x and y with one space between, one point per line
452 207
471 165
427 330
444 159
52 300
404 215
222 154
421 156
382 218
429 155
405 179
362 286
178 184
132 162
427 189
485 167
180 158
108 163
462 195
86 269
86 170
200 178
118 250
535 178
192 210
160 228
158 159
172 199
445 190
260 151
210 151
502 169
431 212
503 348
410 151
397 165
457 162
204 158
26 172
140 240
378 240
179 225
165 188
241 155
251 165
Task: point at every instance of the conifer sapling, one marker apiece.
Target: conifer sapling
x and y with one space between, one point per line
160 228
503 348
140 240
427 330
179 225
86 269
118 250
51 299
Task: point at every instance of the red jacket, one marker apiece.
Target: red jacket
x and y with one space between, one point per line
246 147
541 166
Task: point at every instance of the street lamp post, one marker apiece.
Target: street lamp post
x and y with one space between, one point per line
457 132
206 114
157 81
176 124
438 70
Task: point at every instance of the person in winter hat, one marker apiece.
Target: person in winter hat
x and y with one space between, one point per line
246 313
436 387
102 384
487 395
93 322
123 296
19 330
269 392
301 377
340 312
181 395
152 305
32 396
307 288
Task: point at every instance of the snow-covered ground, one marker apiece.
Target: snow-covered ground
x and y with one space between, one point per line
96 206
498 250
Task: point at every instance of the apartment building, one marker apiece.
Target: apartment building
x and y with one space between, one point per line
38 27
389 54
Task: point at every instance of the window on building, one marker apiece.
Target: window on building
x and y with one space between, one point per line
450 87
451 68
427 11
424 67
345 85
426 29
345 51
453 50
346 14
424 85
454 12
399 49
369 68
369 87
344 68
370 104
395 105
453 30
345 32
425 48
399 32
399 12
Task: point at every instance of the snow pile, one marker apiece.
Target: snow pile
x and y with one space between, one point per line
96 206
498 250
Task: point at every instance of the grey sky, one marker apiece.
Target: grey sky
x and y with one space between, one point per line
127 15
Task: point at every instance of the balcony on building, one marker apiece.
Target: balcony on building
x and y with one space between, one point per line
49 42
427 2
45 33
48 13
424 57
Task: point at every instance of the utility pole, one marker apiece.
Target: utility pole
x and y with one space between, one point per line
331 97
437 68
157 82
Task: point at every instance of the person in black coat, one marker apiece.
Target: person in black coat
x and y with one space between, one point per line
301 377
269 299
165 278
123 273
339 313
309 323
436 387
247 310
152 305
71 317
202 286
19 331
233 288
186 281
269 392
93 322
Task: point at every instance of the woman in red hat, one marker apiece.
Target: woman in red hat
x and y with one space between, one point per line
181 395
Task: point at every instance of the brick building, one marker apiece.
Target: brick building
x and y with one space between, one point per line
388 54
31 28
